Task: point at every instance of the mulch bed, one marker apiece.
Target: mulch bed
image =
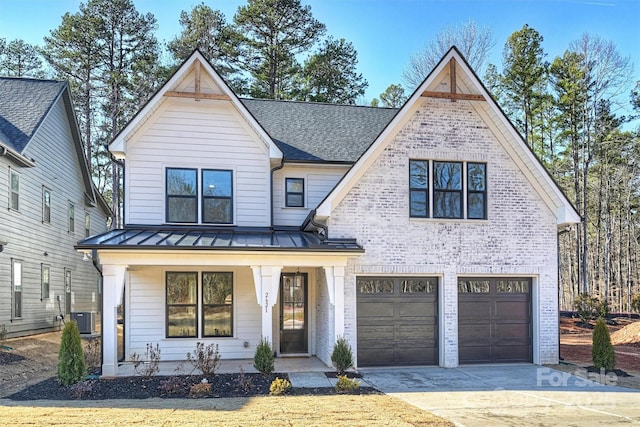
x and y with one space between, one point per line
617 372
176 386
7 358
349 374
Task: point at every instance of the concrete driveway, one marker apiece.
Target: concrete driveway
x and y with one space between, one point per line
510 395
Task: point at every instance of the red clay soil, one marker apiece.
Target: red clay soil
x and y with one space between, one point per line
575 343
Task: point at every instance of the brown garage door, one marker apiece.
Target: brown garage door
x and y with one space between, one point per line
397 321
494 320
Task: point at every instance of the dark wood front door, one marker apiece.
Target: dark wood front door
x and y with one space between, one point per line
293 313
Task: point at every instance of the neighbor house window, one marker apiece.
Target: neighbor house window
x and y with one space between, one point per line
14 200
182 195
45 277
16 287
440 189
217 304
182 304
87 224
294 197
217 196
46 205
72 218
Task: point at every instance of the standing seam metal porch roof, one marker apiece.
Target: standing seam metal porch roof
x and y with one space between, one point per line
221 239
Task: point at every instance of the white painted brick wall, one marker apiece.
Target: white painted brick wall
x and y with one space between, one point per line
324 319
519 237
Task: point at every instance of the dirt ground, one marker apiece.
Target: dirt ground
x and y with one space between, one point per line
575 347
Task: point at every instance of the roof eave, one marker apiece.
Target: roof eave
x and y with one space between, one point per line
16 157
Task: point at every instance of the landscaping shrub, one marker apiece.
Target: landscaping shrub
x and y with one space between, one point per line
151 363
342 356
602 352
346 384
264 360
202 389
590 308
92 352
279 386
244 382
635 303
71 367
206 359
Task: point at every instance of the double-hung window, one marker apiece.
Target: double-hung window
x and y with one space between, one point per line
213 299
294 188
450 190
45 279
46 205
14 190
210 199
87 224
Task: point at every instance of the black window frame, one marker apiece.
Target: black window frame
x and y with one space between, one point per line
180 196
168 305
204 197
46 205
203 306
471 192
287 193
422 191
448 191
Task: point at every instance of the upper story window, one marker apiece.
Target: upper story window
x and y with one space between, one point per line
46 205
216 204
294 188
87 224
72 218
14 190
217 196
452 190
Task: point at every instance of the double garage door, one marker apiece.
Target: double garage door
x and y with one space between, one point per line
397 321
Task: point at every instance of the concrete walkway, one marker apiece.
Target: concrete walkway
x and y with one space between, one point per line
510 395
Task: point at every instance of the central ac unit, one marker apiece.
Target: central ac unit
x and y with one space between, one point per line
86 321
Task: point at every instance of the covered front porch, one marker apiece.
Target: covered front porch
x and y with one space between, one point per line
290 294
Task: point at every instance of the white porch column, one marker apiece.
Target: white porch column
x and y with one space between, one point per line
113 277
335 285
267 282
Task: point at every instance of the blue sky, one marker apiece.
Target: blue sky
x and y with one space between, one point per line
386 32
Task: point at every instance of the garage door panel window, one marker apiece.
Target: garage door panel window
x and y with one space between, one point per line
418 286
375 286
513 286
473 286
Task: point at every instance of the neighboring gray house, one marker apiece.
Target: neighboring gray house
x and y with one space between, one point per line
47 204
424 235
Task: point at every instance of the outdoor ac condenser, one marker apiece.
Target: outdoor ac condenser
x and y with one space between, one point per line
86 321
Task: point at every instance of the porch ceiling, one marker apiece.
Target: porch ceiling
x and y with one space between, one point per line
216 239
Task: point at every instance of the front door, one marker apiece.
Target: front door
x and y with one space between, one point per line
293 313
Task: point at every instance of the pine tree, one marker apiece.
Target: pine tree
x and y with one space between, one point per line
71 367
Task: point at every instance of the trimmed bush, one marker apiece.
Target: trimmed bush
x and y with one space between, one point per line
264 360
206 359
602 352
342 356
346 384
279 386
71 367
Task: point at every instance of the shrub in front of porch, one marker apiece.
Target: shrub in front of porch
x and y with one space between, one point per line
71 367
264 360
342 356
206 359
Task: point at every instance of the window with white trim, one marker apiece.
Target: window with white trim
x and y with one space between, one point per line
449 190
72 217
45 280
16 288
14 190
87 224
46 205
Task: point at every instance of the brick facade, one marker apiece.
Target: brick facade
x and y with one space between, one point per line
518 238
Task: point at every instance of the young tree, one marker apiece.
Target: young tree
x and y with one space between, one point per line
20 59
393 96
474 43
269 35
330 74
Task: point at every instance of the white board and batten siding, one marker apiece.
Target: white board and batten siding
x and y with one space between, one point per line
36 243
183 133
146 315
319 180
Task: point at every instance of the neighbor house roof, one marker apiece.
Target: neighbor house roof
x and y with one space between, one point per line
223 239
318 132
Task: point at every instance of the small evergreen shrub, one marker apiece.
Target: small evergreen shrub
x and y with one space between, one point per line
151 363
199 390
602 352
71 367
590 308
264 360
206 359
342 356
279 386
346 384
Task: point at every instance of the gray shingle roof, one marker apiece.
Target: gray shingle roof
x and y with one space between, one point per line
316 132
23 105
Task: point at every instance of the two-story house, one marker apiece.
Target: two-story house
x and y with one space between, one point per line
47 203
424 235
